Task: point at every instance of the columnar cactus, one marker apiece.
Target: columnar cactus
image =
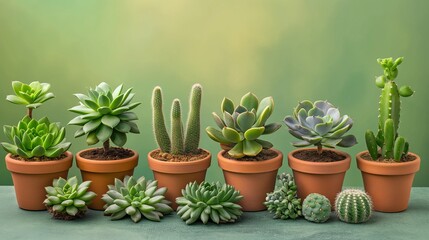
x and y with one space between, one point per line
316 208
392 145
206 201
181 142
353 206
283 202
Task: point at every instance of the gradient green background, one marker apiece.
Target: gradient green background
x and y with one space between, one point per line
292 50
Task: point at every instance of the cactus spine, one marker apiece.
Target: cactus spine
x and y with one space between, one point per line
192 136
353 206
392 146
160 131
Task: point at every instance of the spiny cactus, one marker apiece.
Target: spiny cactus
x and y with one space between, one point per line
392 145
32 138
67 199
205 201
353 206
181 142
319 124
136 198
316 208
283 202
241 126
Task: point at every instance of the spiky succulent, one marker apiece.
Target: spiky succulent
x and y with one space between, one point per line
205 201
353 206
32 138
241 126
284 202
319 124
105 115
136 198
31 95
316 208
67 199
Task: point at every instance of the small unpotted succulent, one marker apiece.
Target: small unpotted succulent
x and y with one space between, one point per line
105 115
249 164
67 199
178 160
37 149
388 168
353 206
319 170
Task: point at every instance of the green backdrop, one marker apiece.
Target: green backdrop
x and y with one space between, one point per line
292 50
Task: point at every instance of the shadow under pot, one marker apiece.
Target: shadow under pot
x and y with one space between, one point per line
175 175
388 184
31 178
254 179
325 178
103 173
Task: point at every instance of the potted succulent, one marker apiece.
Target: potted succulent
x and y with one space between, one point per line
388 168
178 160
37 150
105 115
248 163
318 170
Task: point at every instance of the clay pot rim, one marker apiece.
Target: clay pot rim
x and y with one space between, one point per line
106 166
382 168
297 164
43 167
250 166
94 161
179 167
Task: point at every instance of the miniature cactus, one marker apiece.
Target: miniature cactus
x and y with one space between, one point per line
205 201
241 126
353 206
316 208
181 142
283 202
319 124
136 198
67 199
391 144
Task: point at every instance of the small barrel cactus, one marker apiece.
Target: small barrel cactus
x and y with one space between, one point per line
353 206
66 199
283 202
136 198
243 125
316 208
320 124
205 201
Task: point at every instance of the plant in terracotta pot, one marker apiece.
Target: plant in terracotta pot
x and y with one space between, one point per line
388 168
178 160
105 116
319 170
37 150
249 164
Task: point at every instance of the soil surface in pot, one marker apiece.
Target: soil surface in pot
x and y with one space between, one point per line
114 153
314 156
38 159
167 157
64 215
407 158
265 154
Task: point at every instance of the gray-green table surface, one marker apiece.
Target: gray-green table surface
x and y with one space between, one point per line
20 224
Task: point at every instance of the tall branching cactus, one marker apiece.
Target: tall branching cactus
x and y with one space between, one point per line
391 144
181 142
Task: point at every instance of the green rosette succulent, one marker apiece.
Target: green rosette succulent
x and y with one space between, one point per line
32 138
105 115
31 95
206 201
136 198
320 124
67 199
241 126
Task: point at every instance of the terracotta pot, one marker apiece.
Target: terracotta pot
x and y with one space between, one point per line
253 179
325 178
175 175
31 178
103 173
388 184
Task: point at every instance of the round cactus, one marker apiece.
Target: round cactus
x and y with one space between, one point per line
353 206
316 208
